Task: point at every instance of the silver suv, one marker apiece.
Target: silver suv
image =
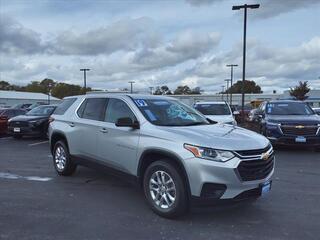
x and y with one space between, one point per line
175 153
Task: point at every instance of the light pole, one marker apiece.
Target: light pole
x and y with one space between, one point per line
84 70
231 78
49 92
151 90
131 86
227 80
245 7
222 88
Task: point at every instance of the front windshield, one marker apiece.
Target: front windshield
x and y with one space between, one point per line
167 112
291 108
213 109
41 111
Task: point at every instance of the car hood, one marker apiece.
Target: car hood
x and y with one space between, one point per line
221 118
26 118
294 119
220 136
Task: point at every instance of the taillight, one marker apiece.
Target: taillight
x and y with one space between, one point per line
51 119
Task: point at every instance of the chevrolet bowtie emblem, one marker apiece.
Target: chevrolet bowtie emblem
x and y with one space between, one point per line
299 126
265 156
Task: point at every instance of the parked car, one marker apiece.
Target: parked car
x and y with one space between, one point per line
316 110
171 150
5 115
21 106
253 115
217 111
34 105
289 122
33 123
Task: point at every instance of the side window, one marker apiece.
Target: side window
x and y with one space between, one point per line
118 109
64 106
93 108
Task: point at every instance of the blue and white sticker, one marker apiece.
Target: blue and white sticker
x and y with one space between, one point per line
141 103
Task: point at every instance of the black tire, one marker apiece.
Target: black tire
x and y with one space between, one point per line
69 167
180 205
17 136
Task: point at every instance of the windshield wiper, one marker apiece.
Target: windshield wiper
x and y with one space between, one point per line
195 123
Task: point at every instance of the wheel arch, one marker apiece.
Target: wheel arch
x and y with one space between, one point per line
55 137
151 155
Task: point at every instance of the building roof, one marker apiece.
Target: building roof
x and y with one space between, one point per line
24 95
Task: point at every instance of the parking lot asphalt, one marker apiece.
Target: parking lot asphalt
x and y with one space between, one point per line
35 203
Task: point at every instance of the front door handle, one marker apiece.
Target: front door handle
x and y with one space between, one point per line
103 130
71 124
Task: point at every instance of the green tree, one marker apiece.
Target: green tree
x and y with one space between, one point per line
300 91
5 85
163 90
62 90
182 90
249 87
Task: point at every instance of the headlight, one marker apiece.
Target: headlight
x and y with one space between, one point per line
209 153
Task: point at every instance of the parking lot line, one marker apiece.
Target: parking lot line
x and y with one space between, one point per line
38 143
30 178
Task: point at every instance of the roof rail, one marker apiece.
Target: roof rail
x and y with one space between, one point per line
105 91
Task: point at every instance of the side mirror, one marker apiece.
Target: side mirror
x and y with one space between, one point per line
127 122
236 112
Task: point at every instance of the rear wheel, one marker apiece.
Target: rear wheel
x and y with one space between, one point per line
165 190
62 161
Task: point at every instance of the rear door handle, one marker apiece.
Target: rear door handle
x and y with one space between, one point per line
103 130
71 124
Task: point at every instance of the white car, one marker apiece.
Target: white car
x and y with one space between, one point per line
217 111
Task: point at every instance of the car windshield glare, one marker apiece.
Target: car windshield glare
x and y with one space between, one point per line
41 111
167 112
213 109
291 108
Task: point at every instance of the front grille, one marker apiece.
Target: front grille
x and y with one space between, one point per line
255 169
293 130
18 124
245 153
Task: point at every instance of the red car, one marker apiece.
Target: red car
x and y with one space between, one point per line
5 115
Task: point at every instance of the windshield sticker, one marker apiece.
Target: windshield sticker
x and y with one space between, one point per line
141 103
269 110
161 103
150 115
283 105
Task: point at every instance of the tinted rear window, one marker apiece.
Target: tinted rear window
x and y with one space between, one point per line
64 106
93 108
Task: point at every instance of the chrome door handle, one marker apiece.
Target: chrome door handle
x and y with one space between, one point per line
71 124
103 130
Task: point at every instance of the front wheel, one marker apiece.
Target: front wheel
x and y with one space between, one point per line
17 136
165 190
62 161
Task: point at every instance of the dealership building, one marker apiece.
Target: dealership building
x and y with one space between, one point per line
10 98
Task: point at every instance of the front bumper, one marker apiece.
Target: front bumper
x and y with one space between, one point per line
224 177
277 137
27 131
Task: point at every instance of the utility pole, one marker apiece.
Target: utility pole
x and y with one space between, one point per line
131 86
227 80
245 7
84 70
49 92
231 78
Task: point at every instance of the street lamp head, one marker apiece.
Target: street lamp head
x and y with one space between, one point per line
252 6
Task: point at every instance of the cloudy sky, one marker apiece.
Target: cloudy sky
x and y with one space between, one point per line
159 42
